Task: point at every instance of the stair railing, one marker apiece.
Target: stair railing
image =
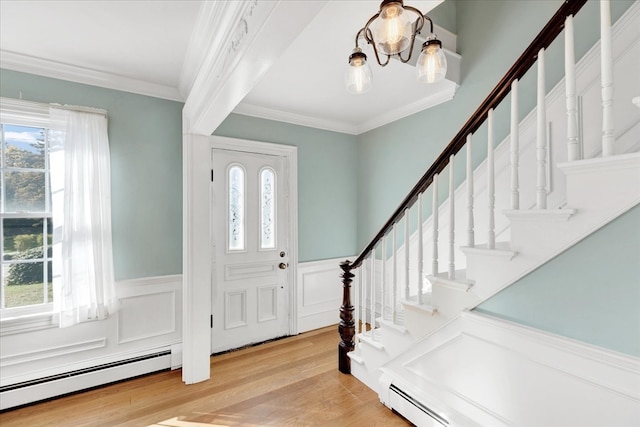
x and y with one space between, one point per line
352 319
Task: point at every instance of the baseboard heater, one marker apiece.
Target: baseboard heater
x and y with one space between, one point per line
31 391
412 409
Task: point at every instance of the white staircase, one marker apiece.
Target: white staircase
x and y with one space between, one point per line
439 364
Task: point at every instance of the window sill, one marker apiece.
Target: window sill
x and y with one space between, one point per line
28 323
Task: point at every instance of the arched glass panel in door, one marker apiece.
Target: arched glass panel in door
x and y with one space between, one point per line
267 209
236 213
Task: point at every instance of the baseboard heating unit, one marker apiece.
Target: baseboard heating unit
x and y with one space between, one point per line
413 410
26 392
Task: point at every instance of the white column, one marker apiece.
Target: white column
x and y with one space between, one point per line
452 220
470 225
420 250
607 79
573 150
434 263
515 142
406 254
541 137
491 191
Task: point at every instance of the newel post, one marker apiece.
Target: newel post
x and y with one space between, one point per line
346 327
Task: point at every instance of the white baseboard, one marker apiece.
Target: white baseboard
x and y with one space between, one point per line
46 389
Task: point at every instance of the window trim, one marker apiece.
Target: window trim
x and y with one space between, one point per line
37 316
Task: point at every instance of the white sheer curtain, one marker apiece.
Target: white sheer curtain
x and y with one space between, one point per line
83 278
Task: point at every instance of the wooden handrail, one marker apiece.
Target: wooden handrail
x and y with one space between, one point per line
502 89
528 58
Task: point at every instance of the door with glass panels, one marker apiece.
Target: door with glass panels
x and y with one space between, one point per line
250 289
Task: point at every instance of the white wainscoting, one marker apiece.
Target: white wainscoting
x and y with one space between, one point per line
319 293
144 336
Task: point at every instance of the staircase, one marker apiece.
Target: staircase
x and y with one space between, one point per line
414 339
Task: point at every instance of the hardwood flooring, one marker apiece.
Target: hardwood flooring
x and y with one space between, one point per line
289 382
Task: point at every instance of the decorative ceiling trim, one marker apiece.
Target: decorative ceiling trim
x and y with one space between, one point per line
447 94
294 118
251 36
58 70
213 31
261 112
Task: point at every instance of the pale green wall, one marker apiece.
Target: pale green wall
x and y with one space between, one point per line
491 36
326 182
145 138
590 293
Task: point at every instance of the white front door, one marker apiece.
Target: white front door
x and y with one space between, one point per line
251 274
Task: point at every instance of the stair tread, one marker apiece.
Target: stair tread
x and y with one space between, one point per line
460 281
501 249
558 215
372 338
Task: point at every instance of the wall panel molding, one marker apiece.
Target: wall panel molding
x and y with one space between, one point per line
319 293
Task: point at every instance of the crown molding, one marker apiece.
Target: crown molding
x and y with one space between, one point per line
446 94
58 70
294 118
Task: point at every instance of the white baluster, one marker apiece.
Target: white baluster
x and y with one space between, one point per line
607 79
420 250
372 297
356 297
394 291
541 136
365 292
470 225
515 142
434 264
491 191
452 220
573 150
406 255
384 275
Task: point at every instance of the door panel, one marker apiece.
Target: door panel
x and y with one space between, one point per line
251 244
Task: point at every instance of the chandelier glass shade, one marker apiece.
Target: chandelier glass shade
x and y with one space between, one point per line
392 32
358 77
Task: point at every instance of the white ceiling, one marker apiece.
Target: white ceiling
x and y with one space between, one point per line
141 46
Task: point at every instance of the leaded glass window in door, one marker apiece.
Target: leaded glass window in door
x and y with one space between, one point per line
267 209
236 200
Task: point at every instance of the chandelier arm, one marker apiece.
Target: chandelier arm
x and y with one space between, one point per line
430 23
421 18
358 36
409 49
367 32
369 37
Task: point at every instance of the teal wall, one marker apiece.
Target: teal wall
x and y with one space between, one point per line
590 293
145 137
491 36
327 193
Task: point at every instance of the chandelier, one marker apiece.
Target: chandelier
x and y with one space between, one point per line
392 31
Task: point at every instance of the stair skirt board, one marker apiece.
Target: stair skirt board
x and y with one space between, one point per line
27 392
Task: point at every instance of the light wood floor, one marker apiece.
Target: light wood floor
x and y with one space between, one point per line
289 382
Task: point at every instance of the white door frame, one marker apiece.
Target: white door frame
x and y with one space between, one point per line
290 152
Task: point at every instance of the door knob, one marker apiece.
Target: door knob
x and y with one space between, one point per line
282 266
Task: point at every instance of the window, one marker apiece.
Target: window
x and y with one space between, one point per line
55 215
25 216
